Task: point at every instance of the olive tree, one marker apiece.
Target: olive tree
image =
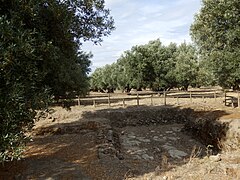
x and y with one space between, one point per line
40 56
216 32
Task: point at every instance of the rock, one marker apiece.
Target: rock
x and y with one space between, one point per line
120 156
110 136
155 138
131 142
131 136
176 129
157 150
147 157
165 177
136 157
172 138
101 155
177 153
142 139
174 153
215 158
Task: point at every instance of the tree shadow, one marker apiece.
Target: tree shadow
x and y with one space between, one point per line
54 157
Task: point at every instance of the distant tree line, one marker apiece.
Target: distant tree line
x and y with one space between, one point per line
154 66
213 58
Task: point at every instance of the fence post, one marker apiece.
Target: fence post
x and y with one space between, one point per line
137 99
159 95
94 103
202 98
109 103
79 101
190 94
225 97
165 98
124 102
177 100
151 100
215 96
238 100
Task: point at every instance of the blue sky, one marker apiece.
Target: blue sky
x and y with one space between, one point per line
140 21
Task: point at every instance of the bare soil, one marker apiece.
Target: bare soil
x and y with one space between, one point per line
145 142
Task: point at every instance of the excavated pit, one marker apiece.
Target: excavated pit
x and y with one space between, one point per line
157 137
203 125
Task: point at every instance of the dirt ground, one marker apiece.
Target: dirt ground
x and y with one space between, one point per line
145 142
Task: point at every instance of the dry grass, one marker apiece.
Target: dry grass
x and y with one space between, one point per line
226 168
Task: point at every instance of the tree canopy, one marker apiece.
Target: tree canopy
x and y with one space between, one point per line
40 56
216 32
153 66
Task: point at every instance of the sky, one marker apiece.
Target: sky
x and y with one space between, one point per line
139 21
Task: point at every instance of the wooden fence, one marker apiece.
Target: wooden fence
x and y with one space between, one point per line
226 98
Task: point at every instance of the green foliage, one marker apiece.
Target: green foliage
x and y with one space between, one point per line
19 76
121 75
104 78
205 76
40 57
153 66
186 66
164 64
216 31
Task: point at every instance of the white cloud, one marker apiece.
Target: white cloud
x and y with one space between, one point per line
139 21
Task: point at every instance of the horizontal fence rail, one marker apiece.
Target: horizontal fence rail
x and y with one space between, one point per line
229 98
